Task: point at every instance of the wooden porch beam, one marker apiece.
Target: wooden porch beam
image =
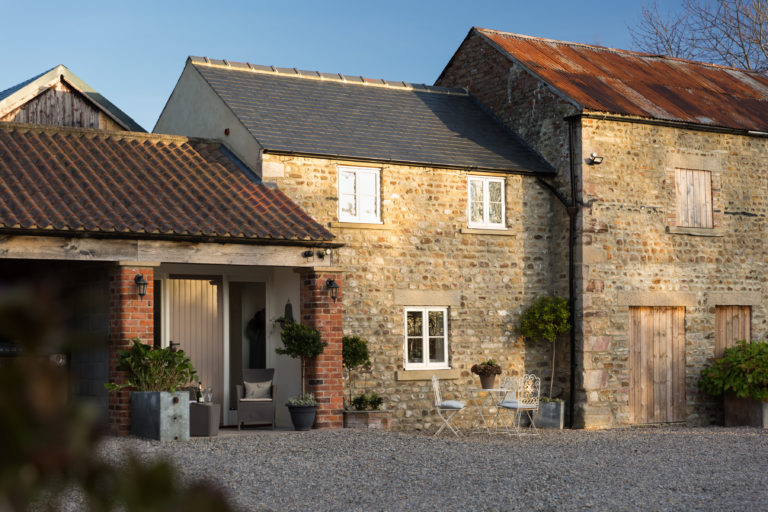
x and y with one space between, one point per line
151 252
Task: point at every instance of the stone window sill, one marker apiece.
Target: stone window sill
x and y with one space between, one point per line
496 232
359 225
684 230
449 374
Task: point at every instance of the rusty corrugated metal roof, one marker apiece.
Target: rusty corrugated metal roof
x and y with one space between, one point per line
641 84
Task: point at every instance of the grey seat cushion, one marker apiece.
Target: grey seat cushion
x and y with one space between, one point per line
452 404
258 389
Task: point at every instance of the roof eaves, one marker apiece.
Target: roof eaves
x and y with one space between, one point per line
547 168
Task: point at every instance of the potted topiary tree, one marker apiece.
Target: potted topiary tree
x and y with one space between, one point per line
545 320
363 411
157 377
303 342
740 376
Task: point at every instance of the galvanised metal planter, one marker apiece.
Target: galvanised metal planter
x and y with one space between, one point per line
551 415
160 415
745 412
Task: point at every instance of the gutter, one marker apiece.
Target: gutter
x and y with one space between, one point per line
669 124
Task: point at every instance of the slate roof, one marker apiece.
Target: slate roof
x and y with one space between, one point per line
15 96
291 111
640 84
74 181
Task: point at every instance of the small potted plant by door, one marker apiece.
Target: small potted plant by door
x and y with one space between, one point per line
302 342
545 320
157 378
740 376
487 372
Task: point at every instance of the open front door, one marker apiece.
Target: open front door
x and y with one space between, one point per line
196 324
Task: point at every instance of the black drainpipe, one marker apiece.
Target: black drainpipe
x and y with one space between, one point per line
572 209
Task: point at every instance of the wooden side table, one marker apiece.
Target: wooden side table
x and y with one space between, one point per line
204 419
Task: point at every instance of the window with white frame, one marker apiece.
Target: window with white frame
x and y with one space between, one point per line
426 338
359 194
485 206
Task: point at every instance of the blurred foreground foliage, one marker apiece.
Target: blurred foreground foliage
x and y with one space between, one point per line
48 442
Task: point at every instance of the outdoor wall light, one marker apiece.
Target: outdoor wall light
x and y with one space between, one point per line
333 287
141 285
594 159
308 253
322 253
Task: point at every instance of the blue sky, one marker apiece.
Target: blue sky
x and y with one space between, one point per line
133 51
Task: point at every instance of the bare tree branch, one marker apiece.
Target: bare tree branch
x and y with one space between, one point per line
728 32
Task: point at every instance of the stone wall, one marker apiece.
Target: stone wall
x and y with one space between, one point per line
537 114
423 247
628 247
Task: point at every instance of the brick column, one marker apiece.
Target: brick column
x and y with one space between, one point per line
323 374
129 317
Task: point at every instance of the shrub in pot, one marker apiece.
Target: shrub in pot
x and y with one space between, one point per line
487 372
157 378
740 376
302 342
354 355
365 413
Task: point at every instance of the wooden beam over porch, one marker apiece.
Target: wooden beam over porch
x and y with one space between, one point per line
152 251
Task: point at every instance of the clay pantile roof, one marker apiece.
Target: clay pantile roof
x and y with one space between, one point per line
15 96
307 112
73 181
640 84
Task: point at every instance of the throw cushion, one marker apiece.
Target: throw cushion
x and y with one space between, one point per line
452 404
258 389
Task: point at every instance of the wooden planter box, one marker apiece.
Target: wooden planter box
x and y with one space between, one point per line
375 420
745 412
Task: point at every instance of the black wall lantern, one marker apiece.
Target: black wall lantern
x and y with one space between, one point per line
141 285
333 286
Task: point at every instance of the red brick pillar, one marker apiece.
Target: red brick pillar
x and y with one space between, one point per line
129 317
323 374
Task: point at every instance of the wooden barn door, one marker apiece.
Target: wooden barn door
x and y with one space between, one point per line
732 324
196 324
657 364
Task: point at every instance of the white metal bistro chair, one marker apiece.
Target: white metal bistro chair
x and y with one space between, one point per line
446 409
526 400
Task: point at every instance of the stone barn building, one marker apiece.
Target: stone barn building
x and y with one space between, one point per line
664 162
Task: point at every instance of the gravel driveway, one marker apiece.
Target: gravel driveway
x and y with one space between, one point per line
623 469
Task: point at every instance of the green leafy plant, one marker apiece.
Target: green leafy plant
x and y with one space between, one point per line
303 400
743 370
302 342
354 354
364 402
151 369
487 368
546 319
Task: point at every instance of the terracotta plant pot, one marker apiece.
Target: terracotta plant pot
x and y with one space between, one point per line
487 381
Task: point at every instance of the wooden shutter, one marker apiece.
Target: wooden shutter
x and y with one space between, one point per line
732 324
694 198
657 364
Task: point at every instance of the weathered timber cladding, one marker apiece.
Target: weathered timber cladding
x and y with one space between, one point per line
657 364
694 198
420 248
62 106
732 324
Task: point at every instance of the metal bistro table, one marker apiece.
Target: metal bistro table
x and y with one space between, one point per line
486 399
